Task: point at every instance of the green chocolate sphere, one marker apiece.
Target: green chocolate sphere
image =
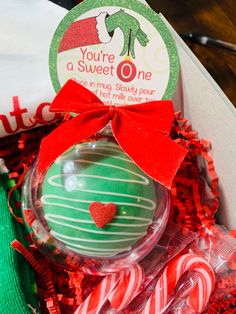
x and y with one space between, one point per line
97 172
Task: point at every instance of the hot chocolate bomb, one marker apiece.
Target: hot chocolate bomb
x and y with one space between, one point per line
97 173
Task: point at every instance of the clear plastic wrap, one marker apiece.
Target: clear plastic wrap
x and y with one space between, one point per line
192 281
125 292
66 207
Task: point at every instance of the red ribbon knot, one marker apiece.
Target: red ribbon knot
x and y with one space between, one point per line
141 130
112 110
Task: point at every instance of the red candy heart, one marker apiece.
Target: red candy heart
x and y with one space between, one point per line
102 213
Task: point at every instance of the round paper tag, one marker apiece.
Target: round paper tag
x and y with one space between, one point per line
120 50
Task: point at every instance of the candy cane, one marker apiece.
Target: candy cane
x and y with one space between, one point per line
98 297
199 295
120 289
127 288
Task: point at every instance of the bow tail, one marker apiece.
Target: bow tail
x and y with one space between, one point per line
154 152
69 134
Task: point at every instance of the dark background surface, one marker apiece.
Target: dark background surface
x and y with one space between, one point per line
215 18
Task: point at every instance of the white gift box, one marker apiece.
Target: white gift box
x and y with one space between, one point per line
25 82
213 116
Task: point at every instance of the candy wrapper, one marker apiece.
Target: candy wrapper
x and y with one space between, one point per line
116 292
193 281
222 243
218 248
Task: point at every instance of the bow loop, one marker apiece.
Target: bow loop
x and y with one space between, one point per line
142 131
155 115
75 98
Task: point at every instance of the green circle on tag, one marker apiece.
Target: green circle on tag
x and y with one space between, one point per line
120 50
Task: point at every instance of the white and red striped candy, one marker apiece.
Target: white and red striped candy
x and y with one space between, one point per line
119 288
127 288
165 287
98 297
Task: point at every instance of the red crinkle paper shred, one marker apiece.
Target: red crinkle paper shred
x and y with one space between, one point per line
190 206
224 298
194 204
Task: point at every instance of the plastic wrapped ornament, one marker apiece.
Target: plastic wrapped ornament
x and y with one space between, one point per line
94 209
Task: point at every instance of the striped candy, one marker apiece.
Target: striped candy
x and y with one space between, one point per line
127 288
98 297
120 289
200 294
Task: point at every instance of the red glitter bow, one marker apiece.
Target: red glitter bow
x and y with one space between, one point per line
141 130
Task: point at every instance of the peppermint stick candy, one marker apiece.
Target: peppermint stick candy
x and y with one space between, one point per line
98 297
119 288
165 287
127 288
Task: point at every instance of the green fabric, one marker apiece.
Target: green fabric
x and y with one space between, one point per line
16 275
